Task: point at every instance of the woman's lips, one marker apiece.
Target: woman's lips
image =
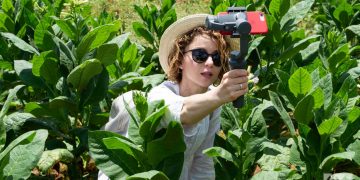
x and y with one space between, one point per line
206 74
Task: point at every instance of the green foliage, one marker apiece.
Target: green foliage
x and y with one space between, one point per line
161 150
21 155
60 69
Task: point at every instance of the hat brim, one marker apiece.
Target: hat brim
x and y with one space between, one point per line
179 28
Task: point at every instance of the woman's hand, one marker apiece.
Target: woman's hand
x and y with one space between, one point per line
196 107
233 85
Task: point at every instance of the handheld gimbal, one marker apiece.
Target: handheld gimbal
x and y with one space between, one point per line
233 23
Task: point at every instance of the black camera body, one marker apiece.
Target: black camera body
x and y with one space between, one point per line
233 22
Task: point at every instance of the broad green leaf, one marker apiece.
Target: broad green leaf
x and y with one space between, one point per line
300 82
254 44
141 105
256 124
237 138
296 48
325 84
344 176
295 158
4 109
318 96
7 7
357 135
11 96
42 35
141 31
343 13
46 66
152 80
149 175
168 145
130 55
150 124
348 87
310 50
166 5
274 157
355 147
21 44
296 13
22 155
24 137
96 38
278 8
38 61
131 150
6 65
169 18
282 111
329 126
353 114
315 78
67 27
15 120
24 70
61 102
330 161
109 161
81 75
96 89
67 57
222 7
119 40
339 55
268 175
304 110
50 157
106 53
219 152
6 23
355 29
50 70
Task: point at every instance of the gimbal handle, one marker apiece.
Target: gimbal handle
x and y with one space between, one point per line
237 61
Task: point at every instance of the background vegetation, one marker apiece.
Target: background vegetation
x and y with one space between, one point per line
63 62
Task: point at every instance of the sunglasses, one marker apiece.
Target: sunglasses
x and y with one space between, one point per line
200 55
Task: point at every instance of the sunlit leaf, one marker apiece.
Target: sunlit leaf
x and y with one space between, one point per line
329 126
21 44
330 161
81 75
300 82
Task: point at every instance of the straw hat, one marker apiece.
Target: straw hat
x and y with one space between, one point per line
177 29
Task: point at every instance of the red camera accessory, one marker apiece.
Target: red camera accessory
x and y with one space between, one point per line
238 21
257 21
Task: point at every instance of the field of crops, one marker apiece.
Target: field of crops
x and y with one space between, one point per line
63 62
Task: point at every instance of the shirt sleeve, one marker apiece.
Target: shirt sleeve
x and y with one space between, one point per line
203 166
173 101
119 117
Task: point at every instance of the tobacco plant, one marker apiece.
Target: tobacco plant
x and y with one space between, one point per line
149 151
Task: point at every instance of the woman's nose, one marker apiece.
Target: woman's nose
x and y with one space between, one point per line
209 61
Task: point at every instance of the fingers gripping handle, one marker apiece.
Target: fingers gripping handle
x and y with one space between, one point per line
235 63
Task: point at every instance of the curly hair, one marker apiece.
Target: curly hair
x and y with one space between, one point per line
176 55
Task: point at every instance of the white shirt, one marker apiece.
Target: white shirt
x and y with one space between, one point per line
197 137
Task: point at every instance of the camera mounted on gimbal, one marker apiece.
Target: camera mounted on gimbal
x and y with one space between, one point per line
238 23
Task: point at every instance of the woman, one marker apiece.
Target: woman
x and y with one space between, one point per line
194 59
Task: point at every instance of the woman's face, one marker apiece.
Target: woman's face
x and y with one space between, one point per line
200 75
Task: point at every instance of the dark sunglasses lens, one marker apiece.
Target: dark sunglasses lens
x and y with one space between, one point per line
199 55
216 59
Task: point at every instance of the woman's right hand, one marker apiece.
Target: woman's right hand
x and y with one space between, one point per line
233 85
